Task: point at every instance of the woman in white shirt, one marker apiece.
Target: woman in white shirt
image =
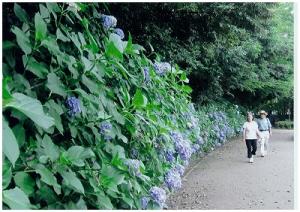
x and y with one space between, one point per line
250 136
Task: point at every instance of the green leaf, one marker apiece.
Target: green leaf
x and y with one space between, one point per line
40 27
112 51
103 201
16 199
25 182
118 43
48 178
110 177
22 40
6 174
61 36
50 149
139 100
187 88
32 108
19 132
5 91
55 85
72 181
20 13
10 144
77 155
35 67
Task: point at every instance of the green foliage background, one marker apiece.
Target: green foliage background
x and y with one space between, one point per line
241 52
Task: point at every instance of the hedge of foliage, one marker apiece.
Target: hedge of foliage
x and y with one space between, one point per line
287 124
89 121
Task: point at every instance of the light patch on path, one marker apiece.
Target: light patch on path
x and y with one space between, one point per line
225 180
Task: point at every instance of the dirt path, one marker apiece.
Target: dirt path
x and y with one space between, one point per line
225 180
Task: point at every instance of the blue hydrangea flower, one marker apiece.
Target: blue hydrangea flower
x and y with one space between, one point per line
172 179
180 169
158 195
161 67
146 74
195 148
169 155
200 140
104 129
144 202
182 146
109 21
119 32
73 105
133 166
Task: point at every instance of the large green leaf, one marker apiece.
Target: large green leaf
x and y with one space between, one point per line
20 13
25 182
10 144
50 149
55 85
6 174
139 100
40 27
77 154
22 40
32 108
19 132
16 199
72 181
48 177
35 67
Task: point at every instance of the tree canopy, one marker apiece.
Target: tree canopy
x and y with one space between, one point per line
242 52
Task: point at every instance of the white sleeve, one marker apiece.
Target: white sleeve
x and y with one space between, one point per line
244 126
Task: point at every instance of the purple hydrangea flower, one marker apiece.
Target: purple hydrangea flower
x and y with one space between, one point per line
73 105
119 32
104 128
144 202
172 179
109 21
161 67
169 155
180 169
158 195
134 166
146 74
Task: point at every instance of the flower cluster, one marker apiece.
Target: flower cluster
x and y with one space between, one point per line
146 74
169 155
158 195
173 179
133 166
104 129
180 169
109 21
119 32
73 105
182 146
161 68
195 148
144 202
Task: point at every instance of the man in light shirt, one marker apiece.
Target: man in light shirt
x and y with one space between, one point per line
264 126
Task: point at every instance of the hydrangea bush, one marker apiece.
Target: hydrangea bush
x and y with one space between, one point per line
89 122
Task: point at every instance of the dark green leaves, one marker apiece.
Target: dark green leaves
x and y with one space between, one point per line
20 13
32 108
25 182
6 173
16 199
77 154
48 178
72 181
10 144
35 67
40 27
139 99
22 40
55 85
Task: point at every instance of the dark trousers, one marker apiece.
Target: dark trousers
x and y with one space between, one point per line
251 147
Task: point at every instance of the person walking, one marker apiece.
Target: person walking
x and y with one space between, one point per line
264 126
250 136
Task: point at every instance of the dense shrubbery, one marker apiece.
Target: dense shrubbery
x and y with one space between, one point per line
287 124
89 121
